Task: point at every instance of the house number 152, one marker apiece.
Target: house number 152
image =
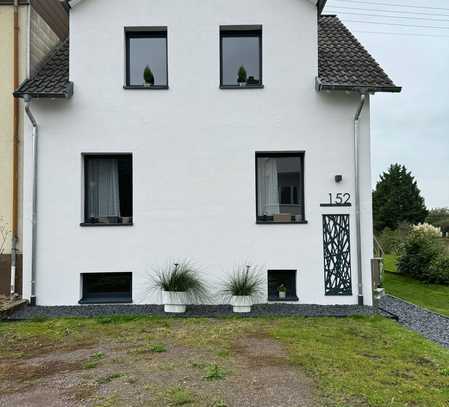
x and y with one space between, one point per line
340 199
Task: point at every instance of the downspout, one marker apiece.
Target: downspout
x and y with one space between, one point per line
357 196
15 154
34 198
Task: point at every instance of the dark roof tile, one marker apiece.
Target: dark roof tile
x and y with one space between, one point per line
344 64
51 77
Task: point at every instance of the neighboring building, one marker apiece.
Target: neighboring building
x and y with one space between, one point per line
160 146
40 25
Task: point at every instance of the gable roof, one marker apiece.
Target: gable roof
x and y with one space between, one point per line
343 64
51 77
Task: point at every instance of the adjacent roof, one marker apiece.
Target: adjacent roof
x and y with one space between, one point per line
344 64
51 78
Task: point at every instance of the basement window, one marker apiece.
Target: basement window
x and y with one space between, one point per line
279 281
146 58
240 57
101 288
108 190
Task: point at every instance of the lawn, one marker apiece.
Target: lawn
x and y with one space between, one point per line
148 361
432 296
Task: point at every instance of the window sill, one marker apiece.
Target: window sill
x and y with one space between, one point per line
155 87
288 299
241 87
106 301
105 224
270 222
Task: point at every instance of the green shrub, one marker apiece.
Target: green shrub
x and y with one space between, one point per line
424 257
391 240
439 270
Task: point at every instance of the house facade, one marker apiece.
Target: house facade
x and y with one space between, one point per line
221 132
29 30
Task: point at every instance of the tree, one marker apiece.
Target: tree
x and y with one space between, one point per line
397 199
438 217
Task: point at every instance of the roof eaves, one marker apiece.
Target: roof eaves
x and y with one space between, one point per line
320 86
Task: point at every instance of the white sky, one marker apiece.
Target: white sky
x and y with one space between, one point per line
411 128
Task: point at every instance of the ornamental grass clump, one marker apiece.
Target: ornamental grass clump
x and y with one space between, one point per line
242 288
182 278
244 282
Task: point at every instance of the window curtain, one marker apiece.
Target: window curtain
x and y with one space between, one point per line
103 188
268 192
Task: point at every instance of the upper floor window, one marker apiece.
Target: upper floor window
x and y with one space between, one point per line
146 58
241 56
280 187
108 189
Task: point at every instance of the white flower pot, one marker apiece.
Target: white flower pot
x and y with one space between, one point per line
174 302
282 295
241 304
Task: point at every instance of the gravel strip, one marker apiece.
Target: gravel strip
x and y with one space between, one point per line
427 323
192 311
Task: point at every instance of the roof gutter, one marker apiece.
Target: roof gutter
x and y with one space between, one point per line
363 98
34 123
320 86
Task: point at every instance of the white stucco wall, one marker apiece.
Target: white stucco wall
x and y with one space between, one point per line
193 151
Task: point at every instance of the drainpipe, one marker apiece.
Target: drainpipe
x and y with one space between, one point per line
357 196
15 155
34 210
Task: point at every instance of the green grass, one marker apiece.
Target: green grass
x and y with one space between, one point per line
214 372
367 361
432 296
359 361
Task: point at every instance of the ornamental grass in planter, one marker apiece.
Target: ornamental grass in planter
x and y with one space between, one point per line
180 284
242 288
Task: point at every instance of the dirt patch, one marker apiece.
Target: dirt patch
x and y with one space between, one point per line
160 366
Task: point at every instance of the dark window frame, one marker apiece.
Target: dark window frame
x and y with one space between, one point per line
85 158
237 32
106 299
289 298
144 32
281 154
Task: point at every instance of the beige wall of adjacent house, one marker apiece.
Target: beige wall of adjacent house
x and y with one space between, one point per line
6 110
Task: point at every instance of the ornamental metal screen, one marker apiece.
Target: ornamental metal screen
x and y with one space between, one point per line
337 255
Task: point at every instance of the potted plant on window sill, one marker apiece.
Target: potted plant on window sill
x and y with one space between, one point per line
282 292
242 288
148 77
180 285
242 76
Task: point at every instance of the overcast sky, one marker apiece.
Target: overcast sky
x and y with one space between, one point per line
411 128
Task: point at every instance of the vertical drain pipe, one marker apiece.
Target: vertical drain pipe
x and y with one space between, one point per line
34 210
15 159
357 197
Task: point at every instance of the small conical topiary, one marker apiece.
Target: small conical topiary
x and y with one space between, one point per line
148 76
242 76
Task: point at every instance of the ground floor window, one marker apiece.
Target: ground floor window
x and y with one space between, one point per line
282 285
280 187
108 189
106 287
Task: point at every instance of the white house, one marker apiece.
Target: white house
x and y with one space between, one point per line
226 132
